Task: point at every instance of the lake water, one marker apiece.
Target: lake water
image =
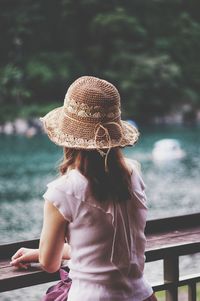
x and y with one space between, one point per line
28 164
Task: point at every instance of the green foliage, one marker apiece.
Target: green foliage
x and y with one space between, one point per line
37 110
9 112
148 49
11 84
46 66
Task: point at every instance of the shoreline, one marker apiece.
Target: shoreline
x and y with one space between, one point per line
32 126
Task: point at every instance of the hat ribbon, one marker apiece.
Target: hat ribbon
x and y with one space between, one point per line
106 133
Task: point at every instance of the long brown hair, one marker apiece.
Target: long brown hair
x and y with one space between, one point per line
115 183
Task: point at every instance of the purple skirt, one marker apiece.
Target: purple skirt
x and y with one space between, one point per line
59 291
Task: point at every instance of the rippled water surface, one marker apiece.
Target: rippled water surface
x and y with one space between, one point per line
27 165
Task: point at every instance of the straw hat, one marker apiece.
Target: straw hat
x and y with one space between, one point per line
90 117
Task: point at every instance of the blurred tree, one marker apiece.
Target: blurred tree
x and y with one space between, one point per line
149 49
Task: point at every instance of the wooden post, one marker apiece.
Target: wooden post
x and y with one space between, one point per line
192 293
171 274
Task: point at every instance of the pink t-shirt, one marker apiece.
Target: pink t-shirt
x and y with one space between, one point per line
107 240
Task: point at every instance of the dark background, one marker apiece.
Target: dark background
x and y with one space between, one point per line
149 49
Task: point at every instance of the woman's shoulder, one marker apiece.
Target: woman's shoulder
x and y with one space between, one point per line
71 183
66 193
58 182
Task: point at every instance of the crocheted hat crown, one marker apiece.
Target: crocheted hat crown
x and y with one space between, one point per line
90 117
93 99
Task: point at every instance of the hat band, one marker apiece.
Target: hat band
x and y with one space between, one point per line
84 110
89 119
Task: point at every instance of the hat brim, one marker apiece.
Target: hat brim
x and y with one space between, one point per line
53 126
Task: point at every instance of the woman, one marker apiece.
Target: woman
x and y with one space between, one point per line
98 204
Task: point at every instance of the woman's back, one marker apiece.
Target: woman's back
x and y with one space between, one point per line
107 238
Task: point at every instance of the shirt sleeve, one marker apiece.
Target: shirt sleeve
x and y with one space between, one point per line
140 214
57 195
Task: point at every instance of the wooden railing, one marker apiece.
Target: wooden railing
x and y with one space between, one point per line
167 240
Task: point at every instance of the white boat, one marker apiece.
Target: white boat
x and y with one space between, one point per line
167 149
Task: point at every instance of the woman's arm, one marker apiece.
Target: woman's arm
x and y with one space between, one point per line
24 255
52 238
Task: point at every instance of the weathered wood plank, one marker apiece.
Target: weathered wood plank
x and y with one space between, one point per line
12 278
165 251
7 250
170 224
4 263
192 292
190 279
165 238
171 274
180 237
